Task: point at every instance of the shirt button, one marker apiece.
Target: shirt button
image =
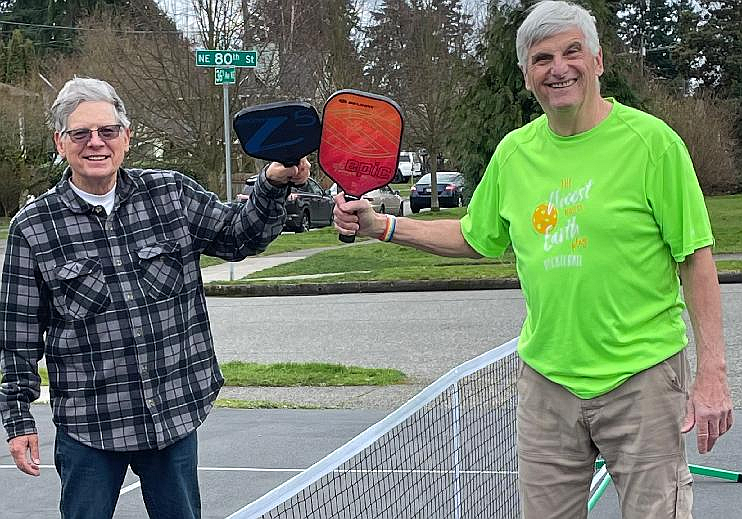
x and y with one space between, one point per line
109 226
144 368
151 402
138 332
129 296
98 209
118 262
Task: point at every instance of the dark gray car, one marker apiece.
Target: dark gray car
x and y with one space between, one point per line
307 206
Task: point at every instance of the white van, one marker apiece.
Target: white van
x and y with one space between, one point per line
409 164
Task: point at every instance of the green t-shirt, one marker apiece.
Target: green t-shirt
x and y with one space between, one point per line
597 222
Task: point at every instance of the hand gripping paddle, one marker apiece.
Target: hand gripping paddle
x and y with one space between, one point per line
282 132
360 142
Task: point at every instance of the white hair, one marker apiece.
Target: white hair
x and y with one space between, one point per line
80 90
551 17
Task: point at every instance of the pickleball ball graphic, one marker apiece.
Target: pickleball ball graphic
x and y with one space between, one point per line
544 218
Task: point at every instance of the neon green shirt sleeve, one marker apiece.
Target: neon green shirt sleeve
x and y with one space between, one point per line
677 202
483 227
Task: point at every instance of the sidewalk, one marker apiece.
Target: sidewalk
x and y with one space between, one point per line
256 263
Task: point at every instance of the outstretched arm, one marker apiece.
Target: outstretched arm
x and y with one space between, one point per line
441 237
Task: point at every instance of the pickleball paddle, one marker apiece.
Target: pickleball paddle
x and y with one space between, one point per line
282 132
360 142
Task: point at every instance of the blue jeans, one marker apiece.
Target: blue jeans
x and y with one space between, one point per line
91 479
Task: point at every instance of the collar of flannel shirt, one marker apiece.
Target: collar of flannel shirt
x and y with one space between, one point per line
125 186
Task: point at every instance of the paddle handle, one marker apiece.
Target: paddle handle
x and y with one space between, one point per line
288 165
348 238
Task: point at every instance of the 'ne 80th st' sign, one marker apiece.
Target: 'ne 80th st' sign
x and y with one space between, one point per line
226 58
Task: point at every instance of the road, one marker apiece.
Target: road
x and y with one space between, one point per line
245 453
423 334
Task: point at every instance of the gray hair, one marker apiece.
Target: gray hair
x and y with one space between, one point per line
80 90
551 17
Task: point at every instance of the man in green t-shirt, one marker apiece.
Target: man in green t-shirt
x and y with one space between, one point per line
602 207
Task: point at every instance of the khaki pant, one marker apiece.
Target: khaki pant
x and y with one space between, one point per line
635 427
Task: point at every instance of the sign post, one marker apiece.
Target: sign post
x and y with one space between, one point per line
224 63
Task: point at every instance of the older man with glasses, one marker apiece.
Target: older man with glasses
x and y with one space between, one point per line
102 276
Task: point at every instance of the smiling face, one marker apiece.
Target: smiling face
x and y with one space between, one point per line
562 73
93 163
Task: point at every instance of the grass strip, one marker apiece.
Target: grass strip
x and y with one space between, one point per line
234 403
291 374
729 266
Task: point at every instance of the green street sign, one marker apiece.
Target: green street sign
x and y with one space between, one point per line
226 58
225 76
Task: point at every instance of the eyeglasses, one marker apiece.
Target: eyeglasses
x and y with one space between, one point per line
83 135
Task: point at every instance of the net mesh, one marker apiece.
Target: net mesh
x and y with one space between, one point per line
454 457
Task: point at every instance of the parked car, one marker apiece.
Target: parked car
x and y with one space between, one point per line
451 191
386 200
409 165
307 206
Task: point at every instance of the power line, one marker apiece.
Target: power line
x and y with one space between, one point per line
42 26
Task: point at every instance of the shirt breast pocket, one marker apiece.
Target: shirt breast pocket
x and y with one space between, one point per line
162 269
84 291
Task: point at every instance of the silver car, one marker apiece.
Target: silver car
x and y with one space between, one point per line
386 200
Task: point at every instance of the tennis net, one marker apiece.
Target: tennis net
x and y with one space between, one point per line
448 452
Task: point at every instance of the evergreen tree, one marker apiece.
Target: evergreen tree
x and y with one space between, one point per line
650 29
18 59
498 102
711 49
614 82
50 23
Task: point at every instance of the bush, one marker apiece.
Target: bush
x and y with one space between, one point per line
706 124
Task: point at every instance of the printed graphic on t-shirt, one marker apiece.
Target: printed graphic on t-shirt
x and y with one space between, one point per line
557 220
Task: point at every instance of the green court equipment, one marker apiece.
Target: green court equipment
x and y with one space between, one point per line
699 470
716 473
598 492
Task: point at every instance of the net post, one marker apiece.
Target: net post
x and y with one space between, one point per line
456 413
599 492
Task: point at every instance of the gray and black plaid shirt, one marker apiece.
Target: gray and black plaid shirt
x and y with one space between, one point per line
116 304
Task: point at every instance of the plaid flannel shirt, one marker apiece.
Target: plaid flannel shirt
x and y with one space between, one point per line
116 304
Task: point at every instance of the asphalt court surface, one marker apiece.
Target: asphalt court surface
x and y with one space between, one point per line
246 453
242 455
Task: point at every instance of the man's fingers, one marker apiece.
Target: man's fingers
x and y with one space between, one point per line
702 437
713 433
690 417
19 450
34 443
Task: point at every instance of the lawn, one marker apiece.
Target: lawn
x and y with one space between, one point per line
4 223
726 221
385 262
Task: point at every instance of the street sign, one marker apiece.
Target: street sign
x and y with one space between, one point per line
226 58
225 76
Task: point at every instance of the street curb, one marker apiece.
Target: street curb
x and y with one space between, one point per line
730 277
355 287
362 287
